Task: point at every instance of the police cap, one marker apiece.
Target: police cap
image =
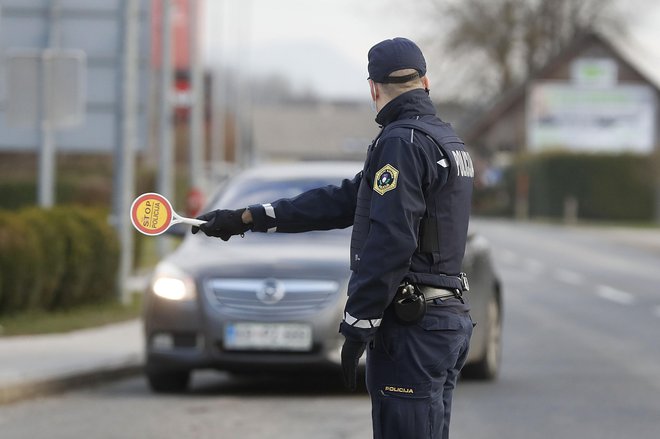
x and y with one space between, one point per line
396 54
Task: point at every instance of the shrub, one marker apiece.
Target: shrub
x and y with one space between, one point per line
20 274
104 264
606 186
78 256
52 246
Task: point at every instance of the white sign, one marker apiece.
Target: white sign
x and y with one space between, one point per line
46 85
612 119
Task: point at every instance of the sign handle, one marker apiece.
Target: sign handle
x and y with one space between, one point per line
176 219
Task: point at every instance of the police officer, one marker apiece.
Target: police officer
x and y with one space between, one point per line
409 208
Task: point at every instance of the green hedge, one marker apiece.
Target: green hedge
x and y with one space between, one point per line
105 247
20 276
51 250
606 186
55 259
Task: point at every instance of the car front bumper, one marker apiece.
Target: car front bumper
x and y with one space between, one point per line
185 336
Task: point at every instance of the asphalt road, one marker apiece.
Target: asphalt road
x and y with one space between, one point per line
581 360
582 355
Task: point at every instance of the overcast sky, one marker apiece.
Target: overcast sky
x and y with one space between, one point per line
322 44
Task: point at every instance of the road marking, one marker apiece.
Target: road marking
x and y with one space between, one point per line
657 311
533 266
615 295
569 277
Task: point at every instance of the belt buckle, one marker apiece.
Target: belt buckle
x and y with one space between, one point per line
464 282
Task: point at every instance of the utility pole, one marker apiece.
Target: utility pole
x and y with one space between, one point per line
656 166
243 105
47 158
166 158
125 153
196 120
218 98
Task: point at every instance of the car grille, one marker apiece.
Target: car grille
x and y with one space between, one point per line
259 298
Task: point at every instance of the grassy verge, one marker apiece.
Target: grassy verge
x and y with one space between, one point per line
43 322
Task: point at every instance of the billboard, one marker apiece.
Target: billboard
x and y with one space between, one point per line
617 118
94 28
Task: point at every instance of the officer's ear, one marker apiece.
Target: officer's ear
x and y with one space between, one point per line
375 93
426 83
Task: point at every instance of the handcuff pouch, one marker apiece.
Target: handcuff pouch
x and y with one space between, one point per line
409 304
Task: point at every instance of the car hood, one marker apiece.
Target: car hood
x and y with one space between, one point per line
304 256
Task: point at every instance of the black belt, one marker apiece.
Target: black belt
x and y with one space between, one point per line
432 293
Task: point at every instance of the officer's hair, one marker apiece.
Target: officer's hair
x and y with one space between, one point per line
394 90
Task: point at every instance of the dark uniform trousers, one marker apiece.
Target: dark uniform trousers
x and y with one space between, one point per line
412 371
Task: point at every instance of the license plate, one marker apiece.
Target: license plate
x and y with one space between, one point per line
268 336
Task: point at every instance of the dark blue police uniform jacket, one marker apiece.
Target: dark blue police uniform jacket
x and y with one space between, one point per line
409 207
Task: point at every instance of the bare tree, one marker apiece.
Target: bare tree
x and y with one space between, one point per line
515 37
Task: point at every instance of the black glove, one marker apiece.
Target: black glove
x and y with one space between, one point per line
222 224
350 358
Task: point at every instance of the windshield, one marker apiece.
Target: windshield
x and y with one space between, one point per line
245 192
260 191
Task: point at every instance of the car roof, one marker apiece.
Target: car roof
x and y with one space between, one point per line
304 170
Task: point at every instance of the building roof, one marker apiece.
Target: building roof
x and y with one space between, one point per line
628 52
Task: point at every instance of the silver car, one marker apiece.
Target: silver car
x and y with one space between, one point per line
273 302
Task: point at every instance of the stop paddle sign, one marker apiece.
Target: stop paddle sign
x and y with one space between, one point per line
152 214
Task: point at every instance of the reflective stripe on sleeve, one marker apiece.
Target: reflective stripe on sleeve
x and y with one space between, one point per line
361 323
270 212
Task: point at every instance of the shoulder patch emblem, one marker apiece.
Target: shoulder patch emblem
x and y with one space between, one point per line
386 179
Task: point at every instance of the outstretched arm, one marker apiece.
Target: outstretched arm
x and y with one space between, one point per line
324 208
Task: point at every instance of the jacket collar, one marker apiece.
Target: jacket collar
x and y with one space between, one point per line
406 106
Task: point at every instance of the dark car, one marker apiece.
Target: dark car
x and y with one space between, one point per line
273 302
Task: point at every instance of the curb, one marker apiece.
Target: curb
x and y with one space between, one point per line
21 391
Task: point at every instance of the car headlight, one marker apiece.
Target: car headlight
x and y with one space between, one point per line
170 282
